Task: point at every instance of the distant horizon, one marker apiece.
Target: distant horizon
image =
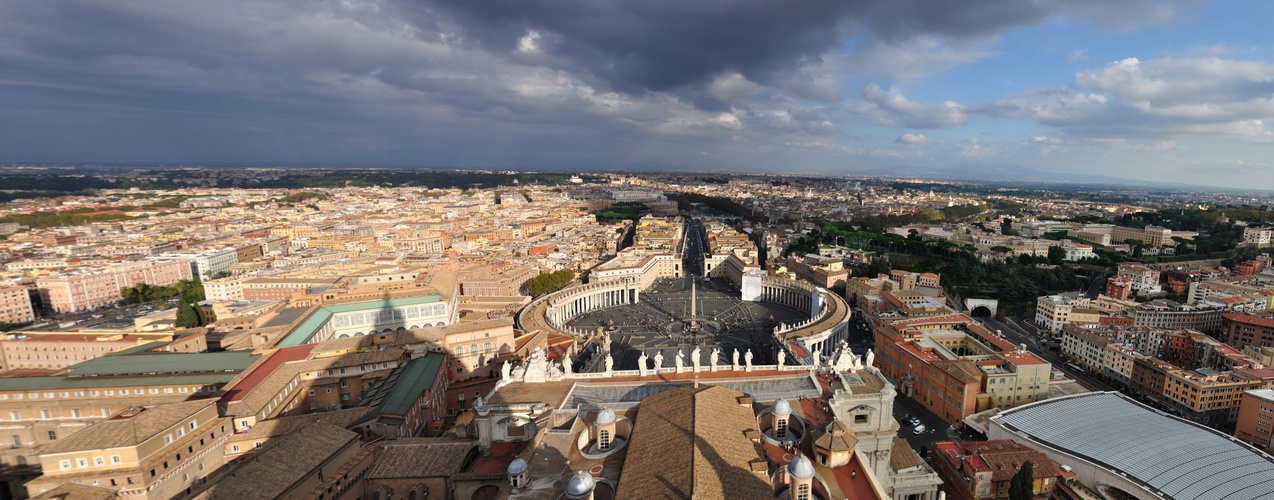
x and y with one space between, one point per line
1075 184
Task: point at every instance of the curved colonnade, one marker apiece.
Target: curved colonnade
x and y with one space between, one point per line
827 327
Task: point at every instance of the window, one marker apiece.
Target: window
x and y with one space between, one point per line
603 440
81 462
780 429
75 412
310 392
860 418
256 444
803 492
234 448
46 414
344 383
53 435
168 439
313 405
115 459
106 412
99 461
13 415
64 464
192 426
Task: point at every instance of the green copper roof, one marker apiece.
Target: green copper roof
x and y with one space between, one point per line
304 331
163 363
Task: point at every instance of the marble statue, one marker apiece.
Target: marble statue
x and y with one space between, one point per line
818 358
681 361
566 364
736 356
782 357
641 363
504 370
871 358
695 358
610 363
659 360
712 358
747 358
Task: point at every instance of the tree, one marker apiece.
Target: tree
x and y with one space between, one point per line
1022 487
187 316
1056 255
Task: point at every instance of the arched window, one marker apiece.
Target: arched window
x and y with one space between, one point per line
473 347
803 492
603 440
487 347
780 429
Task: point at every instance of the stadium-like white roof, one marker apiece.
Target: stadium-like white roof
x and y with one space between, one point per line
1178 459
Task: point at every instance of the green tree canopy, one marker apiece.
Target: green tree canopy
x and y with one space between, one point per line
1022 487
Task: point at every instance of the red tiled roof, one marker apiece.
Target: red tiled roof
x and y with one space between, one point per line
263 370
1249 319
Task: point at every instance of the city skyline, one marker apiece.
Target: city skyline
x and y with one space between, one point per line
1137 89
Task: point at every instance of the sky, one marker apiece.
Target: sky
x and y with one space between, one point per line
1167 90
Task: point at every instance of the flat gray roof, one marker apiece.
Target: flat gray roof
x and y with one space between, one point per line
1178 459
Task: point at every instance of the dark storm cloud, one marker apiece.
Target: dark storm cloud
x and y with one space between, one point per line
426 80
664 45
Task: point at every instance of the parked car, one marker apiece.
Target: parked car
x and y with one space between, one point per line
919 429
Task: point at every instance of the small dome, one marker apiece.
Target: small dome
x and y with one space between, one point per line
517 466
605 417
781 407
801 468
582 484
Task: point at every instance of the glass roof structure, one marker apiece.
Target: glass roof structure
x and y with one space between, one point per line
1173 457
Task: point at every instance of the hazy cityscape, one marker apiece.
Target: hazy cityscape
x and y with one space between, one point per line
620 249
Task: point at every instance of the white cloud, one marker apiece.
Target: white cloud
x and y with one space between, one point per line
914 114
1158 100
910 138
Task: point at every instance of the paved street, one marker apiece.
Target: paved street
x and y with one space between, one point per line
1036 347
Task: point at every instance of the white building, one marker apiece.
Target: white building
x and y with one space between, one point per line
1077 251
205 263
1258 236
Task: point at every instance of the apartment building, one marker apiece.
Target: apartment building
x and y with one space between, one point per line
956 367
1144 279
1257 236
206 262
1248 329
223 289
15 305
1206 395
1084 347
1255 423
91 288
1170 315
1052 312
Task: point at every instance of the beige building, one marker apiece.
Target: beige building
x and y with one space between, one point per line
223 289
60 350
15 305
147 453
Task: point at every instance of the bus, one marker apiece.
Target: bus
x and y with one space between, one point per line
1074 367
